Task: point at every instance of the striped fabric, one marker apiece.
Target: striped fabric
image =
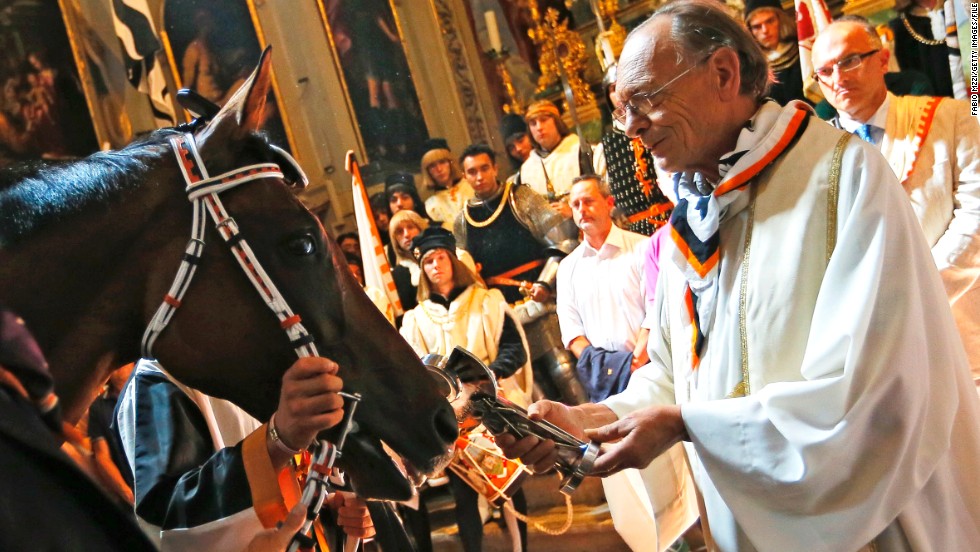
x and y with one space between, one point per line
377 271
138 36
952 10
811 18
700 210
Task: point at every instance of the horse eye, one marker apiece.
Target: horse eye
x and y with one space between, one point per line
301 245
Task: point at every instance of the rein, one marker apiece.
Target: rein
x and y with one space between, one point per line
203 192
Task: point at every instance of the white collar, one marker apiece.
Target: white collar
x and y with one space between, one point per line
877 120
615 239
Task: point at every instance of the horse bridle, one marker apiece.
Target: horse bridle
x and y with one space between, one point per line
203 192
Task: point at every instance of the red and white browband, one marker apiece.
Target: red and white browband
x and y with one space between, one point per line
202 191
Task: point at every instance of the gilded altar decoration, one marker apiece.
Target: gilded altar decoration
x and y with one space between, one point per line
514 103
609 41
561 57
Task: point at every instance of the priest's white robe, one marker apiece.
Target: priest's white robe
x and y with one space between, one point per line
862 414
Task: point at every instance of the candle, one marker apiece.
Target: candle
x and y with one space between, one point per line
493 33
607 51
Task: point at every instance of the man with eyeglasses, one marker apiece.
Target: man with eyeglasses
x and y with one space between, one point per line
806 354
932 145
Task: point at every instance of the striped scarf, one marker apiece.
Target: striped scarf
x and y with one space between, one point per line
701 208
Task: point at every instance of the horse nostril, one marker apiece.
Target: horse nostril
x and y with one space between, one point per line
445 424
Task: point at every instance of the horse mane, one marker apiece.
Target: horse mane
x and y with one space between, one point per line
34 194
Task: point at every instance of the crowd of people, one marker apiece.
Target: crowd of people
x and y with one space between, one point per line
770 320
599 279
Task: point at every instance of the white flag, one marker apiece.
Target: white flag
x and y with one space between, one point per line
377 271
812 16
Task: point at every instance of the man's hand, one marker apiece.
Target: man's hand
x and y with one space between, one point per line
645 434
276 540
541 454
540 293
352 515
640 356
308 402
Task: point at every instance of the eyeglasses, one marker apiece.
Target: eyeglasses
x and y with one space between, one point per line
849 63
644 101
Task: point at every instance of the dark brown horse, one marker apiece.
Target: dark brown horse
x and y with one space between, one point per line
88 250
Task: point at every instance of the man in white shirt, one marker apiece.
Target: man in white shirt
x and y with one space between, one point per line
932 144
601 290
601 312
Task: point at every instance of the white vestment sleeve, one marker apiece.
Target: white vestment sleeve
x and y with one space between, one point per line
832 460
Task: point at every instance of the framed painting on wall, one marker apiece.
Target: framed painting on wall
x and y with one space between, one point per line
212 52
367 42
43 108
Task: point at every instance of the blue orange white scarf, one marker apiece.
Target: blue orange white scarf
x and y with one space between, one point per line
696 218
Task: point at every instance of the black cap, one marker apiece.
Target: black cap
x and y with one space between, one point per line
433 237
752 5
512 126
434 143
398 181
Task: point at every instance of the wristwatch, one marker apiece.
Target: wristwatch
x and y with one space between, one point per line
277 441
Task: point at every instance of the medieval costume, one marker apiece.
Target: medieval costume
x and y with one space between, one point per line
811 424
446 202
515 236
920 45
480 321
551 173
783 56
203 477
628 168
933 146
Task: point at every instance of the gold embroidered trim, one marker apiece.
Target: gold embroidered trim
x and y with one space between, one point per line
742 389
833 191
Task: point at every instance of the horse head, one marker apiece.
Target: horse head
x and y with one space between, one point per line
224 341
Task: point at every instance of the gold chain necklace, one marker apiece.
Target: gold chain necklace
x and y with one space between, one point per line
493 217
918 37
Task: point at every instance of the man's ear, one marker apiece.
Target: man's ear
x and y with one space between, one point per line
884 55
724 66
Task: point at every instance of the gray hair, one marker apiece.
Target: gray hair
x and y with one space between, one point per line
600 184
865 25
701 27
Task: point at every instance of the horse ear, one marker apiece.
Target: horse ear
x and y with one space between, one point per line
247 106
